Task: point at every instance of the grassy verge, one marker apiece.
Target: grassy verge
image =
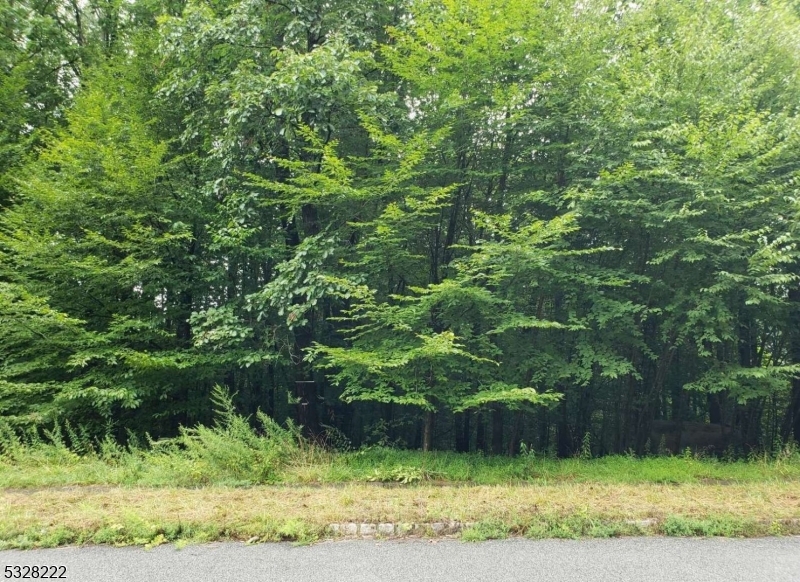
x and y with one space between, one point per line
388 465
119 515
232 481
50 466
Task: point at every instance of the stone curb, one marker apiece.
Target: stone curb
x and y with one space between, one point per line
387 529
436 528
442 528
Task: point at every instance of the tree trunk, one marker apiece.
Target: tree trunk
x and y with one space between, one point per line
497 430
427 432
564 438
305 387
714 409
513 442
791 422
462 432
480 433
306 396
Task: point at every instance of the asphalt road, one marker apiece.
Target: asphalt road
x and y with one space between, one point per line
619 560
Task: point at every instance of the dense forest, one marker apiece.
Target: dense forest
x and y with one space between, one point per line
472 225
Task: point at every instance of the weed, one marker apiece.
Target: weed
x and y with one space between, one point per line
334 439
486 530
402 474
578 525
788 452
682 526
586 447
663 451
526 451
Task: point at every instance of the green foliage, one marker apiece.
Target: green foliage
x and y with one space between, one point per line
574 527
586 447
485 530
681 526
401 474
429 213
231 449
135 531
242 456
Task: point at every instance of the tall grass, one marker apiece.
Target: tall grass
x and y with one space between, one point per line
232 451
236 451
410 466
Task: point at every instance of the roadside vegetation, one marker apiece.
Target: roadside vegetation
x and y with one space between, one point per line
228 461
236 481
150 516
531 266
238 451
448 224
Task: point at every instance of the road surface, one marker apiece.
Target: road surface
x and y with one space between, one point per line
619 560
